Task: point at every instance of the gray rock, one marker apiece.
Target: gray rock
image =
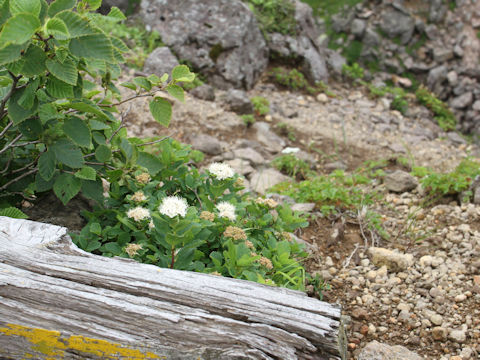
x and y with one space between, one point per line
400 181
267 137
456 138
371 38
393 260
160 61
358 27
241 166
436 76
396 23
439 333
304 207
264 179
458 336
378 351
250 155
335 61
238 101
476 105
452 78
221 38
437 11
336 165
462 101
204 92
206 143
441 55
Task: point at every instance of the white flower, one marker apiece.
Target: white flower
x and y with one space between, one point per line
290 150
225 209
138 196
138 213
173 206
221 170
151 225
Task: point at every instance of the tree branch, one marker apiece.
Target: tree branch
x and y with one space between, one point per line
12 90
8 146
8 126
33 171
127 99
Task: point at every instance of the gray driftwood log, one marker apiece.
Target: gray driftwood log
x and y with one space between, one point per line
58 302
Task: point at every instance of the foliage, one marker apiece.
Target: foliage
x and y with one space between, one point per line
252 243
57 128
295 80
274 16
261 106
452 183
353 72
139 41
286 130
292 166
442 114
248 119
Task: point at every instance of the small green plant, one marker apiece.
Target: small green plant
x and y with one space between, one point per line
353 72
292 166
261 106
274 16
291 79
442 114
286 130
248 119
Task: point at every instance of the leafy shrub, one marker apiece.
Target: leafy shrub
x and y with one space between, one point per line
445 118
286 130
261 106
57 129
353 72
248 119
291 79
176 217
292 166
274 16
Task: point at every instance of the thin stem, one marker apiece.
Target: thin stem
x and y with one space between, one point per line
12 90
122 124
157 141
8 146
26 166
6 166
98 163
127 100
27 143
173 257
9 125
33 171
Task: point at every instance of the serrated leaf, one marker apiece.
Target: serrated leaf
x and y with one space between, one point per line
5 81
19 29
98 125
76 24
78 131
154 79
66 186
57 28
94 4
95 228
93 190
46 164
150 162
116 14
4 12
25 6
86 173
13 212
68 153
182 73
66 71
41 185
96 46
127 148
129 85
88 108
176 91
28 97
164 78
161 110
103 153
31 128
59 89
61 53
112 247
60 5
11 53
143 83
47 112
16 112
119 44
34 61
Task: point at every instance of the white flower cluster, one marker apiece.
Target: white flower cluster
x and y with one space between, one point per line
225 209
290 150
221 171
138 213
172 206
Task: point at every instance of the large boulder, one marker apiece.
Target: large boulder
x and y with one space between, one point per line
304 45
160 61
220 38
397 23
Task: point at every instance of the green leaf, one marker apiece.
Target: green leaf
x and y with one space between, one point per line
127 148
4 12
98 125
103 153
78 131
96 46
96 229
176 91
150 162
164 78
28 97
93 190
19 29
154 79
16 112
66 71
143 83
86 173
34 61
93 245
182 73
61 53
58 89
25 6
113 248
76 24
68 153
31 128
66 186
46 164
116 14
60 5
94 4
47 112
119 44
11 53
57 28
161 110
13 212
99 138
129 85
41 185
88 108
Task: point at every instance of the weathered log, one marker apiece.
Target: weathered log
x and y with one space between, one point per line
59 302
